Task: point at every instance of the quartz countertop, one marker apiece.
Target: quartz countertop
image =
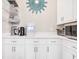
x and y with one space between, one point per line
33 35
37 35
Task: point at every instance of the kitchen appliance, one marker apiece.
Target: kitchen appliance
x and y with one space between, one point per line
14 30
31 29
71 30
22 31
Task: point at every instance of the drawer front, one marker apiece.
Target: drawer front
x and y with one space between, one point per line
13 41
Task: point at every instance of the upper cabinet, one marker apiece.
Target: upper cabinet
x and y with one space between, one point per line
66 11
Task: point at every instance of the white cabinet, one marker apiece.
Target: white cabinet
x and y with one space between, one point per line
75 10
66 11
8 52
43 49
68 53
60 16
69 49
13 49
35 49
54 49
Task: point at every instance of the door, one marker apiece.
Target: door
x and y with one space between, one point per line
9 52
29 49
13 52
67 54
75 9
35 49
67 10
60 17
20 52
40 49
51 52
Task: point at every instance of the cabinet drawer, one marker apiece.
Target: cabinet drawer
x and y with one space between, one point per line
13 41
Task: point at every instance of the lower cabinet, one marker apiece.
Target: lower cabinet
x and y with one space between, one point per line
13 52
41 49
69 49
33 49
69 54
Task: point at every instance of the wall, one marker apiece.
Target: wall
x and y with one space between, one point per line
5 16
45 21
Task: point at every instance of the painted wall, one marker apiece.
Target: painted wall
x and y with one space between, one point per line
5 16
45 21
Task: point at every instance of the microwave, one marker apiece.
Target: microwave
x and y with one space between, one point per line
71 30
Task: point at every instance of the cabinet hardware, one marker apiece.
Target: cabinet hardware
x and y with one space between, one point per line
13 41
53 41
35 41
35 49
62 18
74 47
13 49
73 56
48 49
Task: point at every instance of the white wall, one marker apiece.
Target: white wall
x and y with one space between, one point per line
5 16
45 21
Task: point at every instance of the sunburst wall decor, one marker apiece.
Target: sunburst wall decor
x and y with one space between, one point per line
36 5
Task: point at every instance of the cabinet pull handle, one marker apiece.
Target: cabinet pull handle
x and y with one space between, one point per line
35 41
48 49
73 56
74 47
53 41
13 41
35 49
13 49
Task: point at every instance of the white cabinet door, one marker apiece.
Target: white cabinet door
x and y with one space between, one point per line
50 54
66 11
67 8
68 53
19 53
13 52
54 50
74 2
35 50
9 52
75 57
60 16
29 49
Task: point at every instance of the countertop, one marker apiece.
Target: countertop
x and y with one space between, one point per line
38 35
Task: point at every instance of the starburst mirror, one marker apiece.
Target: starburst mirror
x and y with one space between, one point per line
36 6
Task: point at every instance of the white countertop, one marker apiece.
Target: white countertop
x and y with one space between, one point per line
37 35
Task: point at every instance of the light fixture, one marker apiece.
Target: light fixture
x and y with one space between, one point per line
36 5
37 1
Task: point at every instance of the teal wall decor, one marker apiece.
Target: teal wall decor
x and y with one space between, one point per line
36 5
